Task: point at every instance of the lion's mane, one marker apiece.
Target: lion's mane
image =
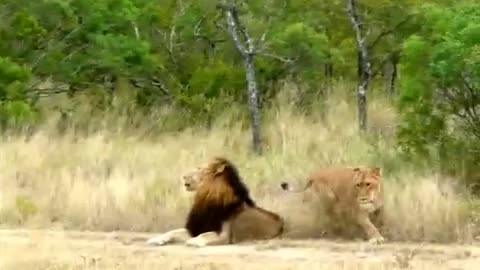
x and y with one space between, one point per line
220 197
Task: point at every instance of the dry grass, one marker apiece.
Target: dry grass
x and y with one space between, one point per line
108 181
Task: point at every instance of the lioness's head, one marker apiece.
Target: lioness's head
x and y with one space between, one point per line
194 179
367 181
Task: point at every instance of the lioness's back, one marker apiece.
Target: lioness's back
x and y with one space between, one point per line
338 179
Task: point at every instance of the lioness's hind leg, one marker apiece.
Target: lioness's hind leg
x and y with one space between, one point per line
178 235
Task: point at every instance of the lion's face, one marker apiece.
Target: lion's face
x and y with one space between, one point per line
367 183
191 180
194 179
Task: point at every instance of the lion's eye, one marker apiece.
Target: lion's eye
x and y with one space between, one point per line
368 184
358 185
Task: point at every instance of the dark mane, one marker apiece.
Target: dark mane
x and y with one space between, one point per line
205 217
235 181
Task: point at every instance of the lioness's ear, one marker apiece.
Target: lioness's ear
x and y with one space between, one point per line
356 171
376 171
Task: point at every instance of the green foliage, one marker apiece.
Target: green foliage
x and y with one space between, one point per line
440 86
177 53
15 107
300 40
140 57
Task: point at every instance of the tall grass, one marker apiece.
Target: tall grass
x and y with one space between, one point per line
122 180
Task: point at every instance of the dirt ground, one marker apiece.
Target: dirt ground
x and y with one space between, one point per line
41 249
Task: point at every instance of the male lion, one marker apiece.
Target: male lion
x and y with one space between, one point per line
223 211
351 194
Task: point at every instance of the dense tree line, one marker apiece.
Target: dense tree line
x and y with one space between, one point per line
202 55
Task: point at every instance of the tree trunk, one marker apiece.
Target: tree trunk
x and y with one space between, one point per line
387 75
245 47
253 103
362 100
393 77
364 69
328 77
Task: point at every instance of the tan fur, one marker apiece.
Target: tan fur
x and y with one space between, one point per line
352 194
254 223
218 189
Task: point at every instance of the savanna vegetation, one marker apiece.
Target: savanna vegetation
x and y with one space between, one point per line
103 104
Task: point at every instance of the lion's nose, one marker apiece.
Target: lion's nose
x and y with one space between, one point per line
187 185
284 185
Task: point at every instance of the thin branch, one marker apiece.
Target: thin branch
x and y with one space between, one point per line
172 38
196 29
135 29
277 57
197 33
389 31
75 51
383 62
463 104
48 48
260 45
217 21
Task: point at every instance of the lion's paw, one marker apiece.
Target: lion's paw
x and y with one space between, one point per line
159 240
196 242
376 240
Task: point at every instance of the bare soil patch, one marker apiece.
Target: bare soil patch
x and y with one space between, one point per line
49 249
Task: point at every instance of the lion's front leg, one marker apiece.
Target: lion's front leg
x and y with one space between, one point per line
212 238
178 235
374 236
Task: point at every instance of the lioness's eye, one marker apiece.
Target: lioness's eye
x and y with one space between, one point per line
368 184
357 185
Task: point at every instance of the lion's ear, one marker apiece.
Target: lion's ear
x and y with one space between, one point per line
376 171
220 169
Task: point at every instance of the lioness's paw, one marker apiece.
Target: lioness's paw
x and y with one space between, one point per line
196 242
376 240
159 240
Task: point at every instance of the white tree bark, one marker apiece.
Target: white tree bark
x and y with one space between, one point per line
245 46
364 63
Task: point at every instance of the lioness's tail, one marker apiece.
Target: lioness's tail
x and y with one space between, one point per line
286 186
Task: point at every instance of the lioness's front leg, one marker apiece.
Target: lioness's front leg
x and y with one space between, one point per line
178 235
212 238
374 236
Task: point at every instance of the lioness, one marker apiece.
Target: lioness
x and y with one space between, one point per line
355 193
